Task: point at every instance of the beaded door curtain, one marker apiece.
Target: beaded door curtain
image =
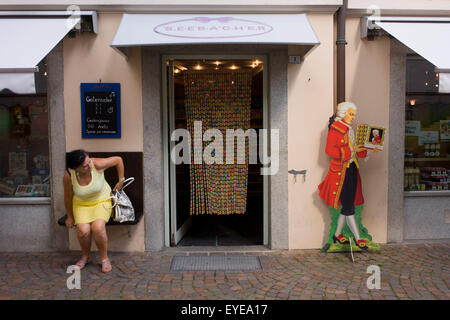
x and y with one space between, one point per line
220 100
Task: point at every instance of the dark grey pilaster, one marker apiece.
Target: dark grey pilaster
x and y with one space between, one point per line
57 147
396 141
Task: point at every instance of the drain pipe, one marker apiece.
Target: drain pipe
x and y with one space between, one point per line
340 43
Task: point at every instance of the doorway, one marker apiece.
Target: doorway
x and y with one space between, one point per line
215 204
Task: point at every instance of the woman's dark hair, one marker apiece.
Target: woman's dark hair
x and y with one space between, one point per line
76 158
331 121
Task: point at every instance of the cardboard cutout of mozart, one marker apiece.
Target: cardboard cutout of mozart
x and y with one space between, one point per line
341 190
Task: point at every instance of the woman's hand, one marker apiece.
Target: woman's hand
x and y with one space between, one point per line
69 222
375 150
118 186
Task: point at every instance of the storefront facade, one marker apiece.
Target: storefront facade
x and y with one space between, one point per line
297 100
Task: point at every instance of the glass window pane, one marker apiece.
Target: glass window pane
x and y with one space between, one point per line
427 136
24 144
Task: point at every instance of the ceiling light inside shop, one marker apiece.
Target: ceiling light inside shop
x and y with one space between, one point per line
412 102
198 67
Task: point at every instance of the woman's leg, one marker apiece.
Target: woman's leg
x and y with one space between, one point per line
84 237
100 237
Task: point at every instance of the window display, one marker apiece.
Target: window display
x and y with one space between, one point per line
24 147
427 134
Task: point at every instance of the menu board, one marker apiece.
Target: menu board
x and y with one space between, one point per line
100 110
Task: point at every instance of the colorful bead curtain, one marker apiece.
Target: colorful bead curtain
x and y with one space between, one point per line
220 100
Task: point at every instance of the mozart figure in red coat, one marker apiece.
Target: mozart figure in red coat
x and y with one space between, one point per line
342 184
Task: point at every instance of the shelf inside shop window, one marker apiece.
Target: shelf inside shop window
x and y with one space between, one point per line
426 159
428 193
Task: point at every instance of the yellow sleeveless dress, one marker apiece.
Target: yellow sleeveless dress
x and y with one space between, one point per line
87 202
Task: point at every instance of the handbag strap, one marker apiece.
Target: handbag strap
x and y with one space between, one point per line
113 196
127 182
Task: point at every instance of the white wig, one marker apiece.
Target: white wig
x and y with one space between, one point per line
342 109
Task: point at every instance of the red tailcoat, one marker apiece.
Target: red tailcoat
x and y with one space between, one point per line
339 150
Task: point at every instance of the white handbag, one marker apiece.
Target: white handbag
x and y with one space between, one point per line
123 208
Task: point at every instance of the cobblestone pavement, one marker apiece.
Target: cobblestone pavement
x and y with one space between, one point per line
414 271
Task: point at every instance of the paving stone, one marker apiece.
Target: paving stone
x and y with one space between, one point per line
407 272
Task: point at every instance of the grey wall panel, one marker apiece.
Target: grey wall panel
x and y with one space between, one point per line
25 228
425 218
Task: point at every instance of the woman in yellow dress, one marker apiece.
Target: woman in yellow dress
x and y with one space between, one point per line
85 191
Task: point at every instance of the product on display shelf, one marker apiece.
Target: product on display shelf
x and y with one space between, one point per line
21 122
17 161
36 179
24 190
435 178
40 190
41 162
32 190
7 188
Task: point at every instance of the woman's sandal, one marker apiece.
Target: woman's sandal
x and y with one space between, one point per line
106 265
82 262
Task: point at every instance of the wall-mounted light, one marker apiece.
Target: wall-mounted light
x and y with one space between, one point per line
412 102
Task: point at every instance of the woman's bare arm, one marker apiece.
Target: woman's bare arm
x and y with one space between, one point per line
104 163
68 194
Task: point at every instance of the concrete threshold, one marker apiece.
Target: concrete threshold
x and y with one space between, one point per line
219 250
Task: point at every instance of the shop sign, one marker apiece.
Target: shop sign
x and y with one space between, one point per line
100 110
428 137
412 128
212 27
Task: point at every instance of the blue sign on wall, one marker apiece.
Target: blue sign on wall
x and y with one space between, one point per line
100 110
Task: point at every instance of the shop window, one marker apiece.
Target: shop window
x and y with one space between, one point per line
24 143
427 136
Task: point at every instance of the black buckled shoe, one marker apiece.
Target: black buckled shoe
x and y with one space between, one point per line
341 239
362 244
